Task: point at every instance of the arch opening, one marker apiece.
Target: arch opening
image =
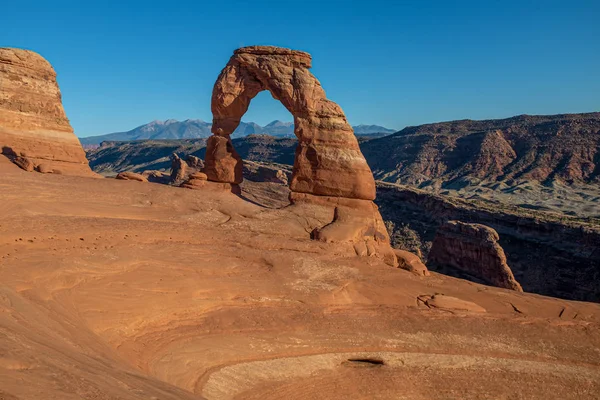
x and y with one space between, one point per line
328 161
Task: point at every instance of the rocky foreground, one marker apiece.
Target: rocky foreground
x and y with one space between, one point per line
130 290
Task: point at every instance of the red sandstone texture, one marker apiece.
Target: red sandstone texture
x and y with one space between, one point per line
329 167
34 130
474 249
328 160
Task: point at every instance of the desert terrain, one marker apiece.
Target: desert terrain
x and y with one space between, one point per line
119 289
228 278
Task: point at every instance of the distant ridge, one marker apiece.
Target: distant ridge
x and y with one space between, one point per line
197 128
542 148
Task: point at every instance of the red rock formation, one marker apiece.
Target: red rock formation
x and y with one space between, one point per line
178 168
328 160
474 249
411 262
329 167
34 130
131 176
196 180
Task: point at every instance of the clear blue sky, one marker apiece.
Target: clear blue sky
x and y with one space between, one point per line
394 63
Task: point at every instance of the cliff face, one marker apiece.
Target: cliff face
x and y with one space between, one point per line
473 249
539 148
549 254
34 130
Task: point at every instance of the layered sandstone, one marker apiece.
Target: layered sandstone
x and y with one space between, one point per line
328 159
473 249
34 130
329 168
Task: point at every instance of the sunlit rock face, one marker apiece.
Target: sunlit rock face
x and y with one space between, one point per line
328 160
34 130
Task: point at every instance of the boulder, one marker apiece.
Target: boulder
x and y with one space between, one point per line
34 129
131 176
178 168
196 180
411 262
474 250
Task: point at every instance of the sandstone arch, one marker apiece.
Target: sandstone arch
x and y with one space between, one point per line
328 159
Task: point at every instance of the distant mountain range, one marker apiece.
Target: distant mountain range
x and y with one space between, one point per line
196 129
531 148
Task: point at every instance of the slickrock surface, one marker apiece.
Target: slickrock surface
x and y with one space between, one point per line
34 130
137 291
474 249
328 160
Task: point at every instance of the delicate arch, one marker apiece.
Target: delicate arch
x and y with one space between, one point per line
328 159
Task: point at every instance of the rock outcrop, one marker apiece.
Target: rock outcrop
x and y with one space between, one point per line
178 168
329 168
34 130
196 180
131 176
411 262
328 159
473 249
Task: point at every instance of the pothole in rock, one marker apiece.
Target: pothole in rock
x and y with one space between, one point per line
364 362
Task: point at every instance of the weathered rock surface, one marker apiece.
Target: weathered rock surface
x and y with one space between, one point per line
328 160
474 249
328 165
411 262
450 303
138 291
195 181
34 130
355 222
131 176
178 168
222 163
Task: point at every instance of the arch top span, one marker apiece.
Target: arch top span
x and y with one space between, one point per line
328 159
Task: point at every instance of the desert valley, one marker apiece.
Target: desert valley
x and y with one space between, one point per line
316 260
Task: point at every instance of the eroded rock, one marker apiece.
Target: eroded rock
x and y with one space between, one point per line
34 130
131 176
474 249
328 160
178 168
411 262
